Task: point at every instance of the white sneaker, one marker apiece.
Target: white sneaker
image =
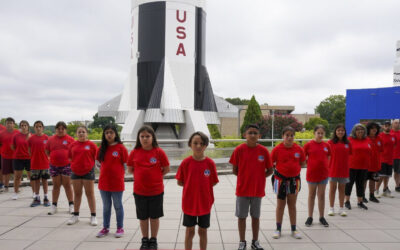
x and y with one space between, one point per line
14 196
276 235
53 210
74 219
71 209
342 212
331 211
1 189
33 195
296 235
93 221
387 193
377 194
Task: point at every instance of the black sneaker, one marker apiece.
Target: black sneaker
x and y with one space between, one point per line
347 205
372 198
242 245
35 202
397 189
309 222
153 243
323 222
145 243
362 206
365 200
256 245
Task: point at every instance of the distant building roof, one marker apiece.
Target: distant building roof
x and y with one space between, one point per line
225 108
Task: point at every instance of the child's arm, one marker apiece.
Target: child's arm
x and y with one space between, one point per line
165 170
269 172
235 170
180 183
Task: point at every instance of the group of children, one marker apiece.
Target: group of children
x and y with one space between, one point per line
342 161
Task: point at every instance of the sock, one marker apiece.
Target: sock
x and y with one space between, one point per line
37 197
278 226
293 228
71 203
55 204
93 214
76 213
45 196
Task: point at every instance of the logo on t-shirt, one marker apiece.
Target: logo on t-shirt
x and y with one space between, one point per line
87 147
207 172
115 154
153 160
325 149
392 138
379 143
297 155
65 142
369 145
261 158
346 145
45 141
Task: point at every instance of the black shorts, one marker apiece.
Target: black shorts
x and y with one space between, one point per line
37 174
373 176
396 166
386 170
190 221
149 206
89 176
21 165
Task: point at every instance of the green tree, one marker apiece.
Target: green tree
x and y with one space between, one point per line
214 132
333 109
237 101
310 125
71 128
101 122
253 114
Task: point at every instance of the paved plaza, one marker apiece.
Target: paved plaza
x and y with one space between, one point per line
23 227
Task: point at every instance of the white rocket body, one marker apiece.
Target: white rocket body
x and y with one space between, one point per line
396 67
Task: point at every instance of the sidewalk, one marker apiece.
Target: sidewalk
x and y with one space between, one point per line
23 227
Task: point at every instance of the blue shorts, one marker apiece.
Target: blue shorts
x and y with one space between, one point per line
324 182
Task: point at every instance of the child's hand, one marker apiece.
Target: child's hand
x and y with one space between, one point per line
97 164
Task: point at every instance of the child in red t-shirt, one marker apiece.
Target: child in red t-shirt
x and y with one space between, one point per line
288 158
148 163
338 167
21 158
112 155
318 153
197 174
39 163
252 164
375 166
82 154
7 154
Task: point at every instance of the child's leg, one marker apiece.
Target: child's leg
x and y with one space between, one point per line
119 209
36 186
78 186
341 189
255 227
106 198
6 179
28 173
371 187
242 210
17 180
66 183
332 192
291 202
255 212
56 188
89 191
385 182
154 226
321 199
45 186
203 238
280 209
242 228
349 185
312 191
144 227
189 237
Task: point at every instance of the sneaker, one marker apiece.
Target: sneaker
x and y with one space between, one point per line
74 219
365 200
102 233
242 245
397 189
1 189
362 206
342 212
309 222
6 190
387 193
119 233
331 211
93 220
276 235
373 199
145 243
33 195
153 243
14 196
323 222
53 210
71 208
347 205
256 245
377 194
296 235
35 203
46 202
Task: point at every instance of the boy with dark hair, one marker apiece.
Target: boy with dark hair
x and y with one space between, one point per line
252 165
7 154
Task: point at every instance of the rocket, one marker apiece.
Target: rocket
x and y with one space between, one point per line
169 87
396 67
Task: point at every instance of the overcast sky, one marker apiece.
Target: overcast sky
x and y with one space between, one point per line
60 60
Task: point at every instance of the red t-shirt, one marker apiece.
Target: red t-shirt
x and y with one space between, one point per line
2 128
251 164
147 170
396 152
288 160
198 179
377 148
317 160
6 141
83 156
388 141
339 163
112 171
58 148
39 159
20 143
361 153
